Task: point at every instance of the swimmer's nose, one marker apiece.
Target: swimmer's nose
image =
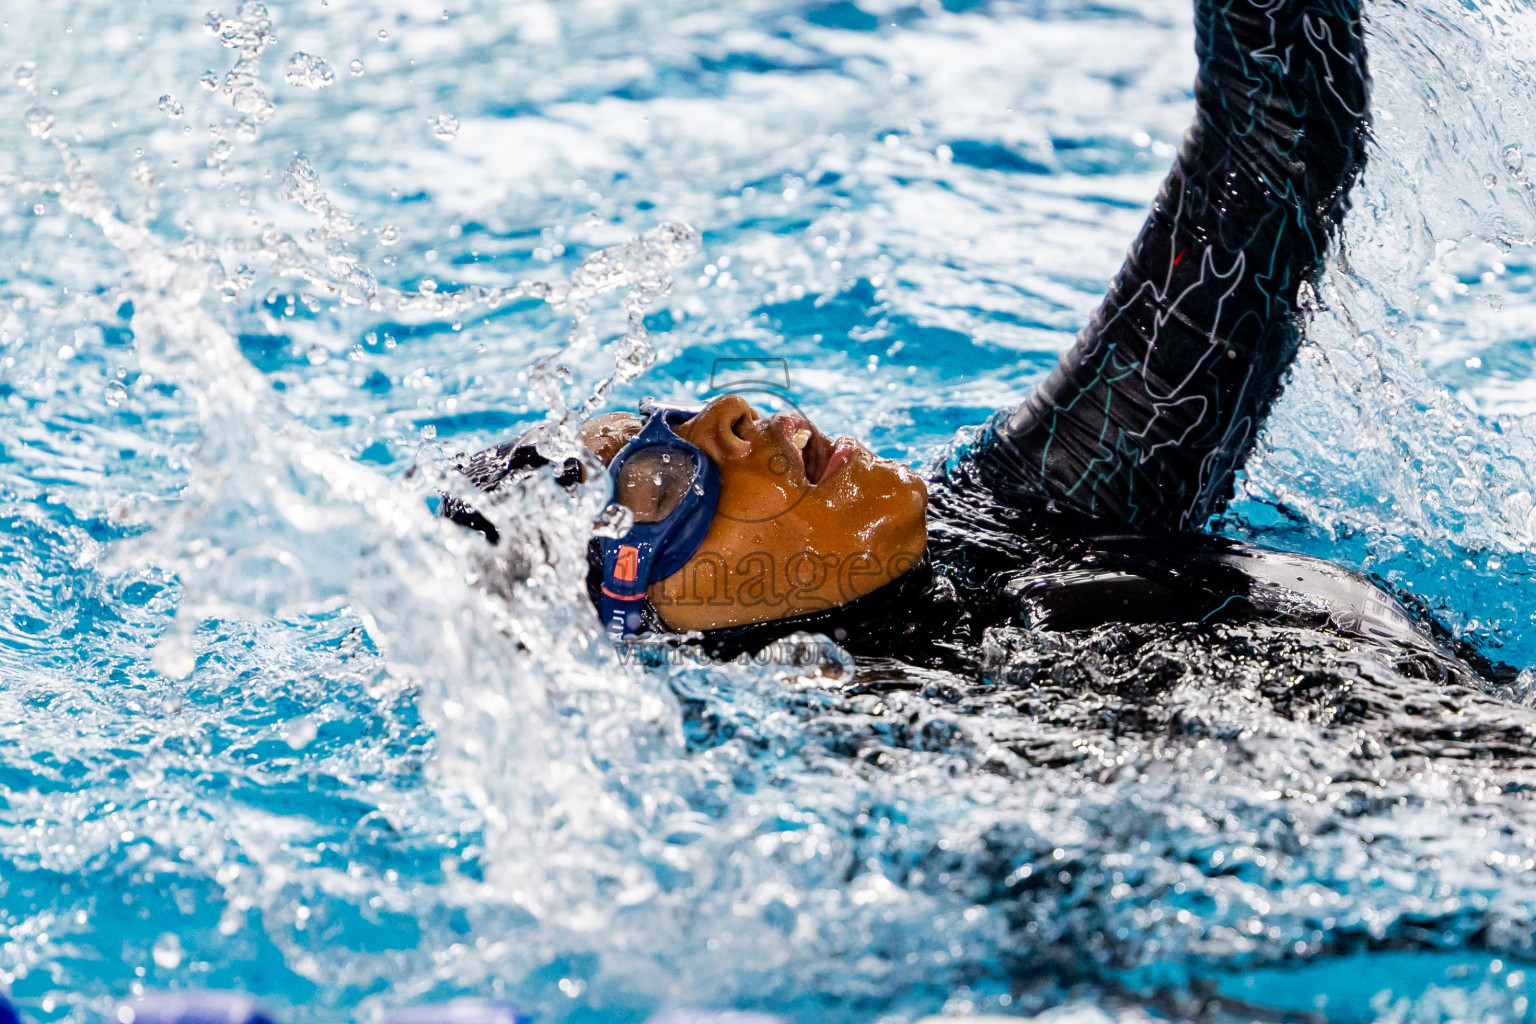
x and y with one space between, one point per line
726 428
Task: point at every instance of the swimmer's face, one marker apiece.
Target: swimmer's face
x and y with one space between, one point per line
804 523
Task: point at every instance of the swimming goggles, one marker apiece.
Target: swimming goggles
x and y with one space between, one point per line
671 488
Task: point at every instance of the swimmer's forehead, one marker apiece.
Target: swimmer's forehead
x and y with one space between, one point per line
605 435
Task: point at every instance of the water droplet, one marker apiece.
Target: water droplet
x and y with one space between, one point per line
39 209
1490 180
308 71
208 80
115 394
356 67
252 11
170 108
167 952
248 98
445 126
428 433
26 76
40 122
1514 159
383 34
359 279
302 184
389 234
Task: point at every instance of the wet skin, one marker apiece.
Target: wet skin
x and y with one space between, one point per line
804 522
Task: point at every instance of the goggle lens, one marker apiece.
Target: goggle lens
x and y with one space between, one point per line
653 482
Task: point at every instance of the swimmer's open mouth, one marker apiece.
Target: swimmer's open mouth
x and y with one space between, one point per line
811 445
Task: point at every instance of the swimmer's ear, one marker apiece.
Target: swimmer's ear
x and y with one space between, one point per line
605 435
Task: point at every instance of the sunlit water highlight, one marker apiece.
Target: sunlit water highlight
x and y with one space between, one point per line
264 723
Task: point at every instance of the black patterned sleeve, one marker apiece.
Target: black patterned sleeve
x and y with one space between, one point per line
1151 413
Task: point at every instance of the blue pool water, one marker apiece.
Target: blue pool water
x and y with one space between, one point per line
262 727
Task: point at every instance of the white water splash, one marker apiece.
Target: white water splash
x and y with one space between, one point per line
1444 204
250 33
336 535
379 761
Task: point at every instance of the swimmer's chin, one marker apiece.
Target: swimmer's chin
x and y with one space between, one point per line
898 497
909 531
874 476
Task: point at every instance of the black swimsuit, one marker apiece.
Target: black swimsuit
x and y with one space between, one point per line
1081 507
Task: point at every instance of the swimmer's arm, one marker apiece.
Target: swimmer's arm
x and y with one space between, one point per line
1150 414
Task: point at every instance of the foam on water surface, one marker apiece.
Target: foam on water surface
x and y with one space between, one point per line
266 724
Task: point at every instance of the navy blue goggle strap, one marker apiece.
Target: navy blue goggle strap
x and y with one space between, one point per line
672 414
650 552
624 585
